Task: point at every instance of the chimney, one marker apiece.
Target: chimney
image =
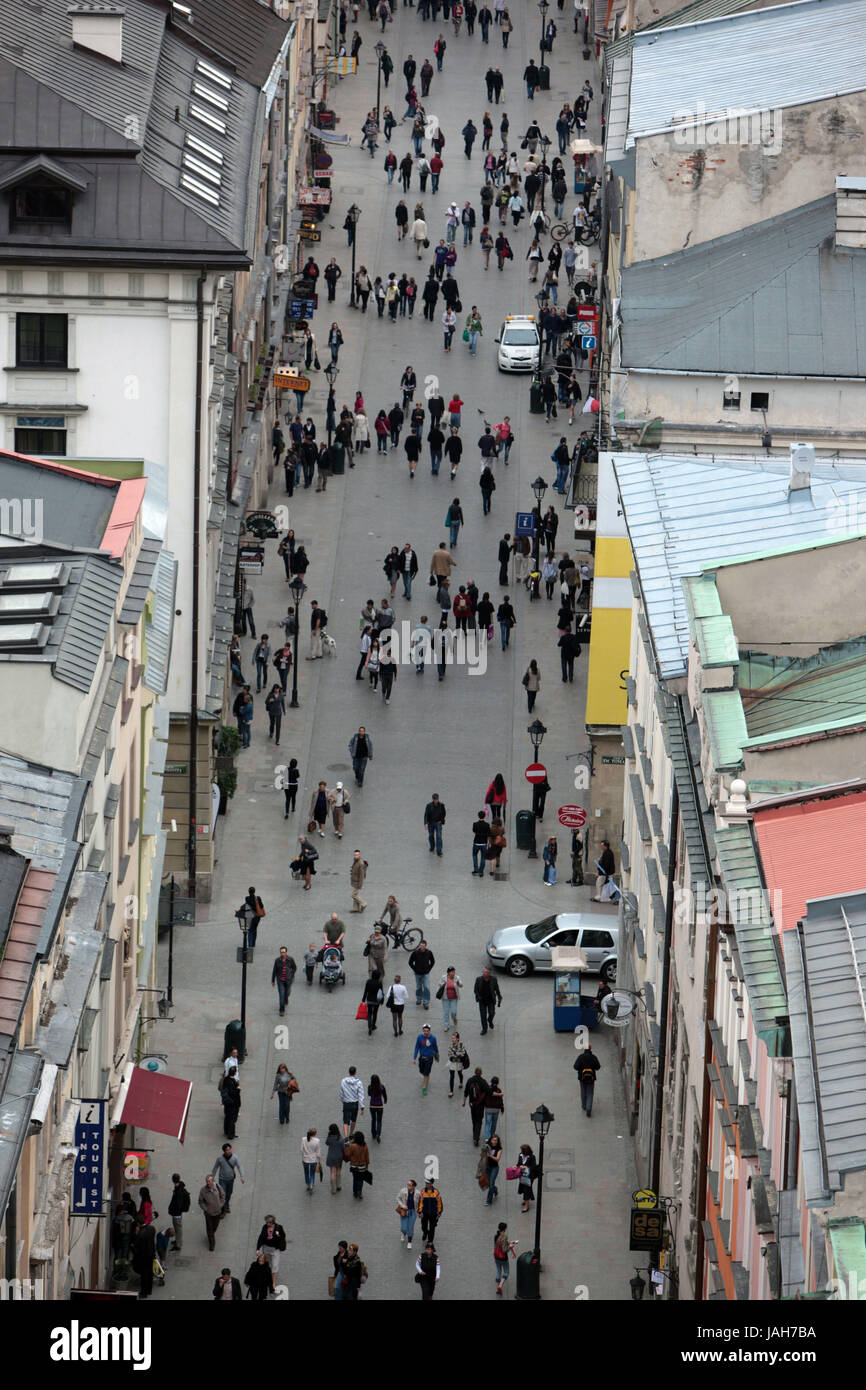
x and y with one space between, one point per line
98 28
850 212
6 833
802 463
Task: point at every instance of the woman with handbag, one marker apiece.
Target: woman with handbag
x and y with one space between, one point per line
458 1061
528 1165
532 681
372 997
449 992
354 1273
496 796
319 809
335 1153
548 854
378 1100
406 1199
304 866
358 1159
493 1147
285 1086
502 1247
495 846
311 1158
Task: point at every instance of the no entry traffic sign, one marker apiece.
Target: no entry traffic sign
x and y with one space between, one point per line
536 772
572 816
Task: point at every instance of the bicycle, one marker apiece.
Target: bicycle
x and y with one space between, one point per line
588 235
560 230
403 937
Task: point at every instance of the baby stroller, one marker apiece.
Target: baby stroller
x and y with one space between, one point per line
331 963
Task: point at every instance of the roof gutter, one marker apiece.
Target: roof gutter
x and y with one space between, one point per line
625 370
804 431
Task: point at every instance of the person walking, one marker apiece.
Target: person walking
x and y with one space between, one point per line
458 1062
493 1146
421 962
259 1278
429 1207
358 1159
407 1211
335 1153
449 992
427 1266
351 1098
211 1199
304 865
569 648
473 330
531 684
247 604
230 1095
494 1107
311 1154
361 751
272 1242
506 619
178 1206
338 802
502 1248
395 1002
319 808
228 1289
480 841
548 854
504 557
487 996
606 865
143 1255
454 520
475 1092
528 1165
425 1054
275 705
434 820
587 1066
282 975
378 1097
357 874
262 657
372 996
285 1086
353 1274
226 1169
576 879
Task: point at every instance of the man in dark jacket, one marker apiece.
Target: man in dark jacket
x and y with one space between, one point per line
454 450
421 962
282 975
607 867
469 132
504 557
434 820
332 275
475 1092
408 568
228 1289
426 77
143 1254
531 78
569 648
177 1209
429 295
487 995
395 423
480 840
410 67
586 1067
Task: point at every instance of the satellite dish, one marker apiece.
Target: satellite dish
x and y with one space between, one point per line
617 1009
154 1063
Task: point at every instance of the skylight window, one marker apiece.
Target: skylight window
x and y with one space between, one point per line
202 147
206 118
199 167
207 94
214 74
200 189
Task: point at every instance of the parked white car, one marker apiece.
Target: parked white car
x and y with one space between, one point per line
520 950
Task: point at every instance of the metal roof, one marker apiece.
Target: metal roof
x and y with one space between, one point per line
760 60
780 692
140 583
744 889
74 510
245 32
848 1239
726 728
772 298
44 808
94 600
830 1058
33 116
684 513
158 632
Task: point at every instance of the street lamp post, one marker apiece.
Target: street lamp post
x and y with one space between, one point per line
298 588
332 371
246 955
353 214
543 7
542 1118
539 488
380 51
536 733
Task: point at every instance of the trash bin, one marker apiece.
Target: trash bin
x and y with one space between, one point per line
536 402
235 1036
544 78
338 459
528 1277
523 829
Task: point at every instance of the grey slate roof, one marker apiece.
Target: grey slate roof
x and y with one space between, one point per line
105 718
245 32
94 600
683 513
33 116
826 960
158 633
141 581
45 808
76 508
83 943
772 298
783 56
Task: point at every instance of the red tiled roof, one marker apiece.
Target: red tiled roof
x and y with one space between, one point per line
813 848
16 967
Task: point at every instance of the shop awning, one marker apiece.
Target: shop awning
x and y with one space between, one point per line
152 1100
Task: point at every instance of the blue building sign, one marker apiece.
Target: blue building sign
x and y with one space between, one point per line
87 1184
524 524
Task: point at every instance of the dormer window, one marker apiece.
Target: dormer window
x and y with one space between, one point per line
38 206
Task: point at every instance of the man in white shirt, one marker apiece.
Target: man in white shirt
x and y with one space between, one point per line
352 1097
396 1002
232 1063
